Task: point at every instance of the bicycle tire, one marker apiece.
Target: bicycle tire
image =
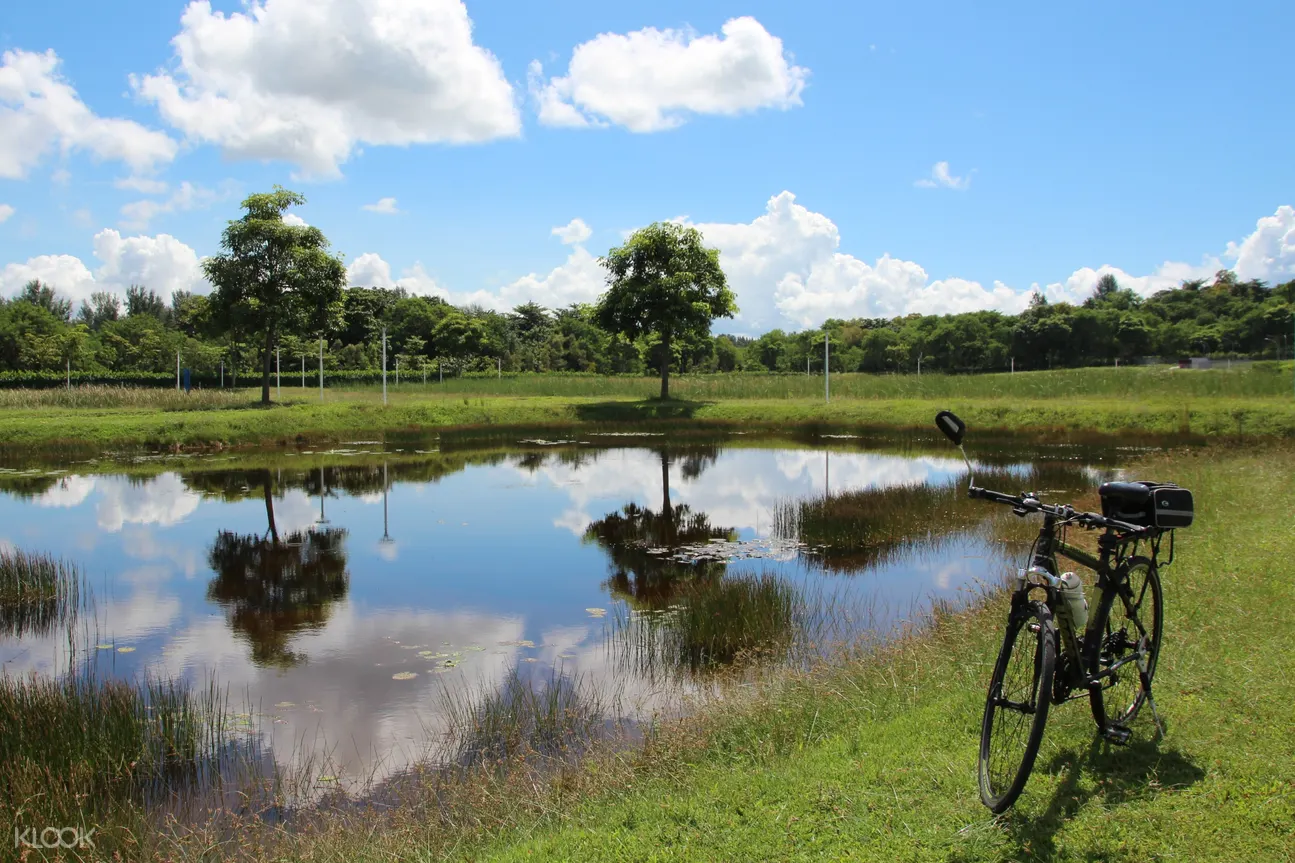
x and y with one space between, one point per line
1012 729
1139 596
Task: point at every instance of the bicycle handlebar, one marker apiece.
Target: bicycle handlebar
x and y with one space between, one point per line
1027 503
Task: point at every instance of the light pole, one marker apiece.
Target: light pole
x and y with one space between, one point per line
384 364
827 370
278 382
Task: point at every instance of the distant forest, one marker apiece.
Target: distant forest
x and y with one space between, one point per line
41 331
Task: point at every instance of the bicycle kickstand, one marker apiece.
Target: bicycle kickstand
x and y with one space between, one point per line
1151 701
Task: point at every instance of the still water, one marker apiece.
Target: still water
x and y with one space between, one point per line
344 595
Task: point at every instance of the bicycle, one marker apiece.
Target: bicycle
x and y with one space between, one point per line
1066 653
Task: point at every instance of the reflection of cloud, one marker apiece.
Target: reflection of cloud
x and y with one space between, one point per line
362 721
388 550
70 491
739 490
163 500
295 511
142 544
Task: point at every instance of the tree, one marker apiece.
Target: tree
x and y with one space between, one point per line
102 308
44 296
272 276
664 282
142 301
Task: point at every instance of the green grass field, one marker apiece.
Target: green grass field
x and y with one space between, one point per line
872 756
1255 402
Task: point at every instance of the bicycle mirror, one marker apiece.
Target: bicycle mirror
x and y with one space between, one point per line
953 428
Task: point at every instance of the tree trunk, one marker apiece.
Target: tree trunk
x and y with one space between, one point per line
665 365
269 508
265 367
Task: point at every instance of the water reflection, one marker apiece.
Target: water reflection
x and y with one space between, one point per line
356 589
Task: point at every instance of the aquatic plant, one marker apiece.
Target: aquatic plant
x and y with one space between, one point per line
37 591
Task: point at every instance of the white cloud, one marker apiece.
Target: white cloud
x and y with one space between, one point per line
652 79
294 220
786 266
5 212
40 111
371 271
941 178
386 206
573 232
137 214
159 262
60 176
1268 253
308 81
143 185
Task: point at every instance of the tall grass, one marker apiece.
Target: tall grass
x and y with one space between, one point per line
1141 382
555 717
851 530
712 623
37 591
83 750
150 398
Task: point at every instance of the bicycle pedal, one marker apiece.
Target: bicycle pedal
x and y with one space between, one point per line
1117 734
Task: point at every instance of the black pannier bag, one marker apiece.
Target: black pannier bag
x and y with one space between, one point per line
1147 504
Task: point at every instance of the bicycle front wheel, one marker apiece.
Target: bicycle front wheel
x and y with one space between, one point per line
1016 708
1126 636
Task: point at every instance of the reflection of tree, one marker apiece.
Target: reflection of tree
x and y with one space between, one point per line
273 587
640 542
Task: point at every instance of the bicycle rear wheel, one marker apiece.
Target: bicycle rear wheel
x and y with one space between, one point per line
1016 708
1128 623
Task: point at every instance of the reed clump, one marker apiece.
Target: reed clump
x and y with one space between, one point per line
37 591
82 750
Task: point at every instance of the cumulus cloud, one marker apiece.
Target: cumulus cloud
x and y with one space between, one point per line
159 262
294 220
651 80
941 179
573 232
308 81
382 205
579 279
1268 253
137 214
5 212
371 271
40 111
786 266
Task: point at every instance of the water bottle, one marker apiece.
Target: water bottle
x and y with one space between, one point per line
1072 598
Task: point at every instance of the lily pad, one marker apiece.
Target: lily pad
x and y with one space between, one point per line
285 704
596 612
125 650
404 675
104 646
328 779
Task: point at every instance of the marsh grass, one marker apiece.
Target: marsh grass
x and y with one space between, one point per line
82 749
851 530
37 592
710 624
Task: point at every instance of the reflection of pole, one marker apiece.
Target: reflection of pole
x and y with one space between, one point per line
386 537
827 473
321 519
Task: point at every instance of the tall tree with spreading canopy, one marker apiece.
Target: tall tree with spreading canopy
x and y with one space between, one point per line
664 281
273 277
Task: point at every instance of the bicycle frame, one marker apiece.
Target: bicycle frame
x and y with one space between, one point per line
1043 566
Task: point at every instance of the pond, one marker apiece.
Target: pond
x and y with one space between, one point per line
351 598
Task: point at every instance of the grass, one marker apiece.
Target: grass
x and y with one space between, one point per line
93 752
872 756
37 591
1241 403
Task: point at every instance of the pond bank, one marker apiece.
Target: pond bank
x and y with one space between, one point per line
874 757
345 415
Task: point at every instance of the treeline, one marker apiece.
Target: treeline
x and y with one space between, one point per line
41 331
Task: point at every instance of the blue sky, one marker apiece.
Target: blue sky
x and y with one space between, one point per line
1140 139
